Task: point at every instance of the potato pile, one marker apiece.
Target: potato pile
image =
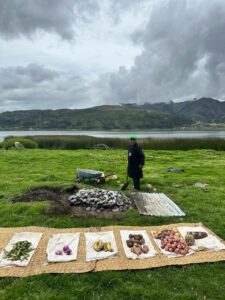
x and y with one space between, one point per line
172 242
137 245
166 232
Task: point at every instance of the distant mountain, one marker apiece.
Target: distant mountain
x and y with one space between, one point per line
127 116
205 109
105 117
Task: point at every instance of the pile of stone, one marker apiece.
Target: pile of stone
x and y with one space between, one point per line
100 200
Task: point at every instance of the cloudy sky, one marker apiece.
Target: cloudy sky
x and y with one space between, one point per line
82 53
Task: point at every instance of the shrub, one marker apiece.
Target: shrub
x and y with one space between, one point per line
27 143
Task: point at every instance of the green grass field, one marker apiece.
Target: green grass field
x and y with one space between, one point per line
22 170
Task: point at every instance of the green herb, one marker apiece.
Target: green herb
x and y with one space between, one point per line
20 251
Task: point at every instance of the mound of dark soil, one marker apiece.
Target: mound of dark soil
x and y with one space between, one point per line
59 204
46 194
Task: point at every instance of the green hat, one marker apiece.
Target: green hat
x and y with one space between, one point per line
133 137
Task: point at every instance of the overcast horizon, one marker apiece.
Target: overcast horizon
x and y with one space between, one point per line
77 54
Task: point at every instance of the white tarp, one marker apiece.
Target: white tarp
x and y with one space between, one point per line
156 204
57 242
92 237
125 236
32 237
210 242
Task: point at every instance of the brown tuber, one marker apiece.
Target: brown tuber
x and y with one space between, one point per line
136 243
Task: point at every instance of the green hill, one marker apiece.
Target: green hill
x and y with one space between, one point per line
96 118
163 115
205 109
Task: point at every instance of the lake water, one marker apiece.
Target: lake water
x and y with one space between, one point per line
121 134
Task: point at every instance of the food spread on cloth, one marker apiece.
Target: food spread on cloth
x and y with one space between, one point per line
181 241
62 247
171 243
201 239
100 245
137 244
20 249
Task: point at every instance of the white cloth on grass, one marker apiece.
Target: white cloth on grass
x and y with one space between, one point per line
171 254
125 236
210 242
32 237
57 242
92 237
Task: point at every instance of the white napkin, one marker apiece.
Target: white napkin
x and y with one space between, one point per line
171 254
57 242
33 237
92 237
210 242
125 236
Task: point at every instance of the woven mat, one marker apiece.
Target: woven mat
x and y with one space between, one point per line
39 265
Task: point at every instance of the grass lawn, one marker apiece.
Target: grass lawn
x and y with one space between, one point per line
26 169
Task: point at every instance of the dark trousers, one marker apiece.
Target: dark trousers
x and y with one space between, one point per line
137 183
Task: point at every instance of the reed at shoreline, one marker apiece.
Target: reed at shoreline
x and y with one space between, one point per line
87 142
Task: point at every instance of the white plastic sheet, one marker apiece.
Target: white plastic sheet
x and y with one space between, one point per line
125 236
57 242
92 237
32 237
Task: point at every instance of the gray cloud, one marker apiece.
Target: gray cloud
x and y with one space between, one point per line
183 54
119 7
27 17
21 77
37 87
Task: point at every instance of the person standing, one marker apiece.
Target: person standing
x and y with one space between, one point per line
136 160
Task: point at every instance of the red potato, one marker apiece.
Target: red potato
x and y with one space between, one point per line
172 243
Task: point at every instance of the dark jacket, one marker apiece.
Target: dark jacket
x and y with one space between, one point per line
135 159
